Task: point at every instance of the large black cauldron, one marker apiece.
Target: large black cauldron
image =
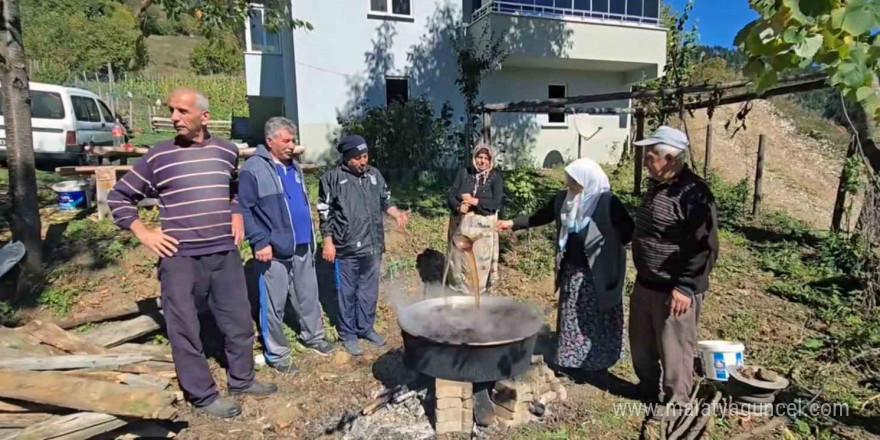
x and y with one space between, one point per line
449 338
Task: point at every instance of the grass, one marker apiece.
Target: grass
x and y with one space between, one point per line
810 123
169 55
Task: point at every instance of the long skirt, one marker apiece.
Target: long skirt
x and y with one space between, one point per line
588 338
481 230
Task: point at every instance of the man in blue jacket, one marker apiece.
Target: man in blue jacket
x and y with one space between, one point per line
278 225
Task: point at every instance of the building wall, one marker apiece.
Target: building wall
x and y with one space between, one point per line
341 65
521 133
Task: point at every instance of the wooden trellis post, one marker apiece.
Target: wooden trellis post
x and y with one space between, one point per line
840 201
487 128
639 152
759 176
707 164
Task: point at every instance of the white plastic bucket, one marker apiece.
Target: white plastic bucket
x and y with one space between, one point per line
718 355
71 194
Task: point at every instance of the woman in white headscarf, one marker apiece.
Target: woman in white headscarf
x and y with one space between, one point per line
593 226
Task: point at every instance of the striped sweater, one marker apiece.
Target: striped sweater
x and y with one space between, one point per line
675 243
195 185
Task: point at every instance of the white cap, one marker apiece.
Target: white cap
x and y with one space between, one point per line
667 136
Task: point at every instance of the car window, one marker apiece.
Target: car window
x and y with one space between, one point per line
106 112
44 105
85 109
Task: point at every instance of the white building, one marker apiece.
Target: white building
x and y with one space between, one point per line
368 52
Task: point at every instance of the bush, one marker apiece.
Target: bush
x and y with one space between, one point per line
220 54
405 135
730 201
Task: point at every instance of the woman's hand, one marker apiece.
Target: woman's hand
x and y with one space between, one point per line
464 208
470 200
504 225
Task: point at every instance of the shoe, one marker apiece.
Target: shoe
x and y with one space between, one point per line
353 347
286 368
375 338
221 408
321 347
256 389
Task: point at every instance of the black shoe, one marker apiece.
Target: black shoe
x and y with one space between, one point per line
353 347
321 347
221 408
286 368
375 338
256 389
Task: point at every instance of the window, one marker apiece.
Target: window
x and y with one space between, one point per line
85 109
401 8
108 114
556 92
396 90
44 105
259 39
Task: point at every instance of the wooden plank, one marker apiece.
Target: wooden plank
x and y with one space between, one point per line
18 406
759 177
72 362
22 420
160 353
86 394
50 334
135 380
151 368
116 312
118 332
89 169
9 432
79 426
17 344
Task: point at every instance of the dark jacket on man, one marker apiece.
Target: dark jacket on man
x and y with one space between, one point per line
490 194
675 244
352 208
266 215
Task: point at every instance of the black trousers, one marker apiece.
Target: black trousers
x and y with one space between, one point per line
220 276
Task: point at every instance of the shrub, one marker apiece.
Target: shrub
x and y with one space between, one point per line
730 200
220 54
405 135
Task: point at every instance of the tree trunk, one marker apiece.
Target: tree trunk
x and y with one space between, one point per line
868 225
25 219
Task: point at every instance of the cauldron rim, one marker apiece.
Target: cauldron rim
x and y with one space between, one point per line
461 299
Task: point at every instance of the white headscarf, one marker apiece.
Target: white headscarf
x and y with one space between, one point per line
577 209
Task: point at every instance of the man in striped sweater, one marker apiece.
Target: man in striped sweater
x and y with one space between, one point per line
193 176
675 246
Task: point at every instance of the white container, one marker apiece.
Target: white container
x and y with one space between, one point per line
717 356
71 194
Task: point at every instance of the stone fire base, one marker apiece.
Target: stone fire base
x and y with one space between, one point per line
512 397
454 408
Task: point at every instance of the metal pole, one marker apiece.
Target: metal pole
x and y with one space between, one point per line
639 152
707 165
759 176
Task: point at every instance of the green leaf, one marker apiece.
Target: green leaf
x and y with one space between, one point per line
792 35
864 92
859 17
809 47
837 17
813 344
754 68
802 427
743 34
768 79
815 8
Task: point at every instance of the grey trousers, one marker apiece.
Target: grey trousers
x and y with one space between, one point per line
280 280
663 346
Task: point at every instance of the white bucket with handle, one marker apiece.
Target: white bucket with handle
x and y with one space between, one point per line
718 355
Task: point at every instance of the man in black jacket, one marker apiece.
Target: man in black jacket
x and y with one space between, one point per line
675 246
351 200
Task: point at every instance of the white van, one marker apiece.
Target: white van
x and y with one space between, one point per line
64 121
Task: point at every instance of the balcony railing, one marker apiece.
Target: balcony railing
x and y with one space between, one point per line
642 12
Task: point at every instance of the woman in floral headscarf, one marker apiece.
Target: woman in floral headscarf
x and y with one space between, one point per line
593 226
474 199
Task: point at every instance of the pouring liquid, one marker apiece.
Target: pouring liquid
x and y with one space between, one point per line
466 245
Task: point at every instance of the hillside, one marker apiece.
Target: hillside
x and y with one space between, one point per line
169 55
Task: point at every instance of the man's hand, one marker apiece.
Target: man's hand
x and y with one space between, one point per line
162 245
470 200
264 254
237 228
504 225
402 217
679 303
329 253
464 208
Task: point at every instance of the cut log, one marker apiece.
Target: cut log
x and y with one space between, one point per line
79 426
159 353
9 432
152 368
17 406
72 362
120 311
50 334
22 420
86 394
116 333
16 344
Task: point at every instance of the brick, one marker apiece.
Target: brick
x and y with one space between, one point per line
449 402
467 420
448 415
468 403
503 413
448 388
537 359
515 387
507 401
448 428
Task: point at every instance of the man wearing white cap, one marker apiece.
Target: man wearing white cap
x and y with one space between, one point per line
675 246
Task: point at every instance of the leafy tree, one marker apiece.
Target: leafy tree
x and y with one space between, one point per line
712 71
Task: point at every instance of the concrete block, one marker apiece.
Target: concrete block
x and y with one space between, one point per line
448 428
448 415
537 359
468 403
447 388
